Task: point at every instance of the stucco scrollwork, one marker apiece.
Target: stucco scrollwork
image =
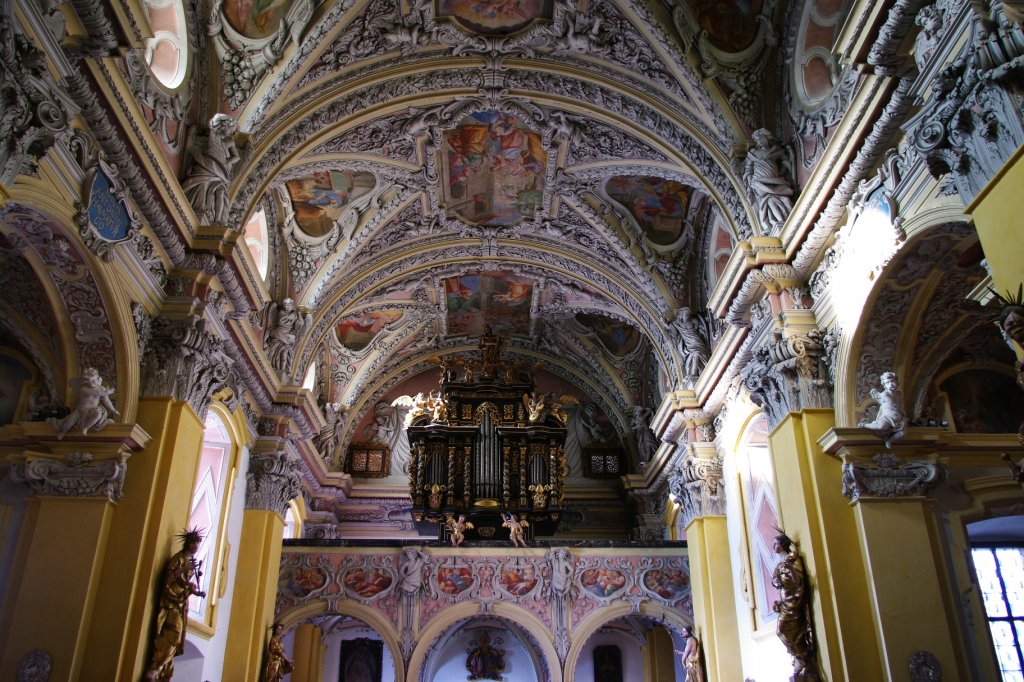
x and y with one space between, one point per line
788 374
889 476
74 476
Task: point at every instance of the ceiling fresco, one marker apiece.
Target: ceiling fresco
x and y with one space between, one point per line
560 173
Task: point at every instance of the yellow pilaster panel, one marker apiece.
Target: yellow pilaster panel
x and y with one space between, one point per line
155 508
998 213
905 587
714 598
307 650
814 512
252 606
659 664
54 605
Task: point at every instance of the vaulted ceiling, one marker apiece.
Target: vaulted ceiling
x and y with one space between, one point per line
560 171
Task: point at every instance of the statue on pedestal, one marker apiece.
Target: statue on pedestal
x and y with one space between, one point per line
278 664
181 581
93 405
795 626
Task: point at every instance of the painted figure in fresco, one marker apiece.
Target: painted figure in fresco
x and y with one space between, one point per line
794 626
458 528
485 662
890 423
181 581
93 405
763 174
515 529
691 657
213 163
278 664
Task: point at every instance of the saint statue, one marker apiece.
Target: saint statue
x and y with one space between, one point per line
285 325
794 627
691 657
278 664
181 581
490 350
770 191
485 662
212 165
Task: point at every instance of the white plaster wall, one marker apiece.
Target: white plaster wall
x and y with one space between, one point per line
762 655
632 658
211 651
332 654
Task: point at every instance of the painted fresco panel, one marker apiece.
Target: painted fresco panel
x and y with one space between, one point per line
618 337
493 169
499 299
518 580
454 580
356 333
659 206
731 24
494 17
255 18
367 582
319 199
984 401
603 582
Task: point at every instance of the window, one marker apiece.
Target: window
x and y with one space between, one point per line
167 51
1000 572
209 495
369 460
257 241
602 461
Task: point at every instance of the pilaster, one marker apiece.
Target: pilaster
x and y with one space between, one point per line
271 483
75 485
308 649
897 537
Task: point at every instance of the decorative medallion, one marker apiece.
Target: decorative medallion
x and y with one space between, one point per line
301 581
367 582
668 584
518 580
454 581
602 582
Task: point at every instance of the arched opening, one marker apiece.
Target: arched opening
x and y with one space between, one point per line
631 647
484 648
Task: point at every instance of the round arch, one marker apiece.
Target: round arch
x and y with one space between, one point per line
451 617
353 609
672 618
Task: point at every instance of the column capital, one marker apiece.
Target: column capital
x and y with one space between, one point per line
789 373
889 476
185 361
697 485
272 481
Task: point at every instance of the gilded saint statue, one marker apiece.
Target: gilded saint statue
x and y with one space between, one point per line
794 626
490 351
277 663
181 581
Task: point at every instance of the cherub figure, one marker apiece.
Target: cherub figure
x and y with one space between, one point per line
93 405
458 528
890 423
515 529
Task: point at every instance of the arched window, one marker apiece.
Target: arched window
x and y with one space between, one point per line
210 494
257 241
292 521
167 50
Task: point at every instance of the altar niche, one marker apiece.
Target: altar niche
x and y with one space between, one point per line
485 448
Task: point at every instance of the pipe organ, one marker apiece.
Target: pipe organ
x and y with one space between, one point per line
484 447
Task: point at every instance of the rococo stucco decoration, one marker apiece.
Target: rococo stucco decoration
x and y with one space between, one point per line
74 476
889 476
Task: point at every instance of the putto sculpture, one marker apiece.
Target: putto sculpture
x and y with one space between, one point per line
795 626
890 422
457 528
516 529
93 406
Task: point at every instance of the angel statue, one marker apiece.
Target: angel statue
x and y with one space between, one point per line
457 528
285 325
515 529
890 422
93 405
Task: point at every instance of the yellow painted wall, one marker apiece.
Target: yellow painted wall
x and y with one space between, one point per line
814 513
998 213
714 597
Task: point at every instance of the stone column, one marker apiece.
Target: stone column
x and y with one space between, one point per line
697 488
896 533
56 583
308 652
271 483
